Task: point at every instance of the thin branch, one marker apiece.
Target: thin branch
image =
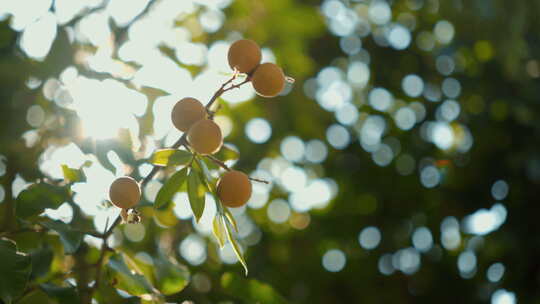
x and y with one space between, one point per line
122 34
99 263
238 85
224 166
259 180
219 92
218 162
222 90
43 228
92 233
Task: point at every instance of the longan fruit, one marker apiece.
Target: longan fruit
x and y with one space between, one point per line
186 112
205 137
125 192
234 189
244 55
268 80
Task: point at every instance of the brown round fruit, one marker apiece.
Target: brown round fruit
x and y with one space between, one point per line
186 112
268 80
234 189
125 192
244 55
205 137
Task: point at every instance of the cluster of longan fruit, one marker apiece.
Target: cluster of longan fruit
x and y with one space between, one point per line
204 136
267 79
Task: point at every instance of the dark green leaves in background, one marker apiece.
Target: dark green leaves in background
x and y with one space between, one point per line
62 294
125 278
37 197
250 290
168 275
41 261
70 238
15 269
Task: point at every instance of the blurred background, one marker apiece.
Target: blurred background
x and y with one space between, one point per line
404 161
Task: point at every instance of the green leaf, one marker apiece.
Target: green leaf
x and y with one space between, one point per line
73 175
196 193
170 188
126 279
70 239
165 216
230 218
171 157
152 300
64 295
34 199
41 261
227 152
210 164
15 271
218 227
205 175
250 290
236 248
171 277
36 296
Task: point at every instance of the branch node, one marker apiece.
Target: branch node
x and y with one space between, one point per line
289 79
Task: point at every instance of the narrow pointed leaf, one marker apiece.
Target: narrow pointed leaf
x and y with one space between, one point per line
230 218
219 230
70 239
171 157
236 248
196 194
170 188
205 175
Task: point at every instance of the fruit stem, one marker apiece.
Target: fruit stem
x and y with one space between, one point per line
224 166
222 90
219 92
259 180
218 162
235 86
